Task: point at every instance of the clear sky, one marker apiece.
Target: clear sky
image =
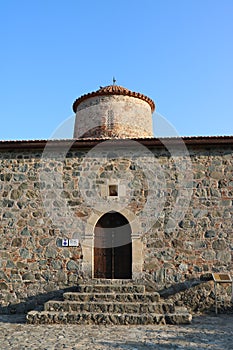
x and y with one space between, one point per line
178 52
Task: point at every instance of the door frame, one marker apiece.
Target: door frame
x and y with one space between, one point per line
88 244
114 261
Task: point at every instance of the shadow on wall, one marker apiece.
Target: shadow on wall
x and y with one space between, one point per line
35 302
197 294
178 287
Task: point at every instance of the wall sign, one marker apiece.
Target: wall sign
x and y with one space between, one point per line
73 242
221 278
65 242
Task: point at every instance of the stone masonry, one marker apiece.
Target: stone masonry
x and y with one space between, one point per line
115 304
46 199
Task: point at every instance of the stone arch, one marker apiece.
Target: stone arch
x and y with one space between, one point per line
112 247
88 243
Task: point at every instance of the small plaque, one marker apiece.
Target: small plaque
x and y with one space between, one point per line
65 242
73 242
222 277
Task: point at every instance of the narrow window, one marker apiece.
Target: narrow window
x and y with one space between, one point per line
113 190
110 119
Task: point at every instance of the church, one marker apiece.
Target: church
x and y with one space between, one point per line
115 204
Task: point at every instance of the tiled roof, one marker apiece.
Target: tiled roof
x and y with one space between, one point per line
113 90
89 143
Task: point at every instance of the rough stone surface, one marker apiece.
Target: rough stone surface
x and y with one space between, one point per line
174 251
110 304
205 332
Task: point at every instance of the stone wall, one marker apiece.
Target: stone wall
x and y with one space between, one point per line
32 260
202 242
179 262
46 198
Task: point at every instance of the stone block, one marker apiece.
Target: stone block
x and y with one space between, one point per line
73 265
219 244
16 242
3 286
51 252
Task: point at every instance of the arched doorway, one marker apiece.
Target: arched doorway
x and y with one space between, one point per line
113 247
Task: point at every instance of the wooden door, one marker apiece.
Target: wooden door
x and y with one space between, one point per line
123 262
113 247
102 255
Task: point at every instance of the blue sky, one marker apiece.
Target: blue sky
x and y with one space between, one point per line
178 52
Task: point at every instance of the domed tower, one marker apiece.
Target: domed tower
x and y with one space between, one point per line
113 111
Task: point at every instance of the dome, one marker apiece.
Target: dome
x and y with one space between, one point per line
113 112
114 90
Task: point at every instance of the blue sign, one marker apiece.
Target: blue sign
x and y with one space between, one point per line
65 242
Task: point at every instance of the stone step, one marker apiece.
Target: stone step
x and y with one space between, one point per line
111 288
109 307
120 297
111 281
51 317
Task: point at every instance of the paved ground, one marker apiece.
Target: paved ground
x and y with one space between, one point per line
205 332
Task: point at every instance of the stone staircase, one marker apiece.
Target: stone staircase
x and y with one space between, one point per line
118 303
